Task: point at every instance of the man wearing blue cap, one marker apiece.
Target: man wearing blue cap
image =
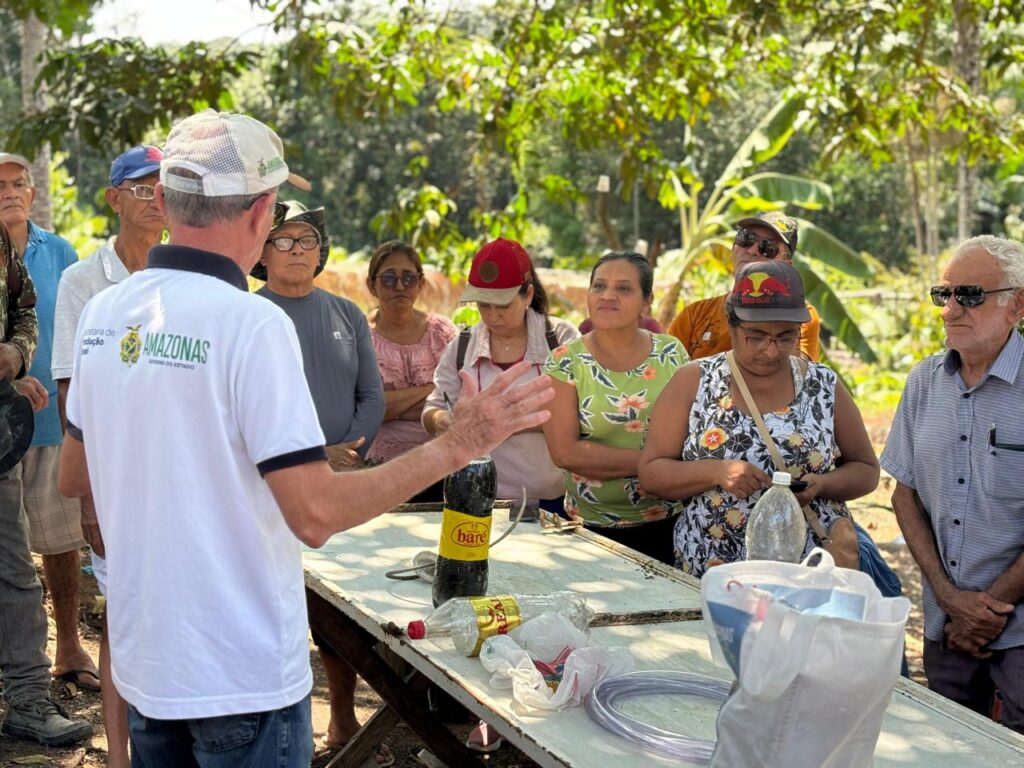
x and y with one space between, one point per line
131 195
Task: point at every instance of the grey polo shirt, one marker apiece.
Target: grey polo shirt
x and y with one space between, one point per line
339 362
972 491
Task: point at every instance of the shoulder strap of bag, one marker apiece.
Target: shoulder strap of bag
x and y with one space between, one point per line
769 441
460 348
549 333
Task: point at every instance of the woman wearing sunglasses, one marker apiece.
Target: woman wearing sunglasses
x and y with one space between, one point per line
409 343
726 459
514 326
701 326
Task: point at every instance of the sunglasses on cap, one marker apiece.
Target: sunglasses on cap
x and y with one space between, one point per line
965 295
389 279
765 246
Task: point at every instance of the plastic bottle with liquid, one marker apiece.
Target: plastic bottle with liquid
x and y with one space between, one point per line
776 528
468 621
461 568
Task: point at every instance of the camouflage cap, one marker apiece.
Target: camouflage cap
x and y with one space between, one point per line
784 226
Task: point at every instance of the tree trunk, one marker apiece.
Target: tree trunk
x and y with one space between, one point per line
33 44
967 60
915 197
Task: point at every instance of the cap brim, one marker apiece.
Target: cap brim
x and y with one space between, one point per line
754 221
772 314
138 173
16 412
299 183
488 295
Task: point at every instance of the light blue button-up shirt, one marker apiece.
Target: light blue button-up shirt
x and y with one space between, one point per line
46 256
972 491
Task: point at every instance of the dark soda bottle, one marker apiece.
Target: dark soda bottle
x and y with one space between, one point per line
461 569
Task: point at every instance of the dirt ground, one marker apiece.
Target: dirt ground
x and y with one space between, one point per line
873 512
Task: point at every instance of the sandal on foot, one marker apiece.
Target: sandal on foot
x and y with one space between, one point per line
80 678
484 738
383 756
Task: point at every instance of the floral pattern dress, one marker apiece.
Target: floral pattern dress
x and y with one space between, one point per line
712 528
614 409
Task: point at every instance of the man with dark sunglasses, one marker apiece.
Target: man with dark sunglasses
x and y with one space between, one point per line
702 326
956 451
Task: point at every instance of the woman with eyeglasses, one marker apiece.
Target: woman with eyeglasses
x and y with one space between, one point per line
514 325
705 448
409 343
337 351
605 386
701 325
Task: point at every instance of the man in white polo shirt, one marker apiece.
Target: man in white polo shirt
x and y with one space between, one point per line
132 197
206 462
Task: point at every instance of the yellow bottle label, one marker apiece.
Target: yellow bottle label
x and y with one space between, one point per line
464 537
495 615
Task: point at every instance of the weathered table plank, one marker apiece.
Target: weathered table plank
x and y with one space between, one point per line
920 729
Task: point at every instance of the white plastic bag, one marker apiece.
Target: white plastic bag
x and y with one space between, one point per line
816 651
548 641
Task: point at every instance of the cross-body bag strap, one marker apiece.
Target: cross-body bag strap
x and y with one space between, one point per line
773 448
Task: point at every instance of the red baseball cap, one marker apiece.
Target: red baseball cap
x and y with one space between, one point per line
499 270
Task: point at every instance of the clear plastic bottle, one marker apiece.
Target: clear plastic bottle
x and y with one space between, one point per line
468 621
776 529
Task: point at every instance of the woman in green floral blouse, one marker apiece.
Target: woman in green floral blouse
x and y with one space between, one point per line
605 386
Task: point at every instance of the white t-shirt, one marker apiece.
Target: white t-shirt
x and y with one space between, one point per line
79 283
185 388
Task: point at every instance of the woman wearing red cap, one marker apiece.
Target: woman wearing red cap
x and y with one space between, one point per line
514 326
605 386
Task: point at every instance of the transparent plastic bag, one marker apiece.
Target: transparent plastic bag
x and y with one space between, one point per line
551 667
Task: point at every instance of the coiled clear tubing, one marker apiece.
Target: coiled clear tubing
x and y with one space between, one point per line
602 707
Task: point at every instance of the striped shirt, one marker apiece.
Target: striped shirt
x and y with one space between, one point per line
972 490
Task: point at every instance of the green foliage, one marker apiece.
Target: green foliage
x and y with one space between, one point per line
705 223
76 223
65 15
141 86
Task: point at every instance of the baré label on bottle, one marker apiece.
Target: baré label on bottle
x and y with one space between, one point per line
495 615
464 537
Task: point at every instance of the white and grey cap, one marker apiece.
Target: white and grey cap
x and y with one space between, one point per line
229 154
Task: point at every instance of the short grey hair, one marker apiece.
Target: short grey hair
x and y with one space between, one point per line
200 211
1008 253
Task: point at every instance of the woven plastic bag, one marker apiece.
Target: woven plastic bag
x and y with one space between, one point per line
816 651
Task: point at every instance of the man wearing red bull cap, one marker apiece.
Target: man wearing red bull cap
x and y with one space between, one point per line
702 327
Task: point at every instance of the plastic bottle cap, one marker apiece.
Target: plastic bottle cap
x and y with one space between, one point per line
781 478
416 630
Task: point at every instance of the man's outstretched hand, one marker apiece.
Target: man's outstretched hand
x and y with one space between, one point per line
484 419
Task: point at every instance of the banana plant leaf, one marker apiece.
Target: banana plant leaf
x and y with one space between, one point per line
763 191
826 248
766 140
833 314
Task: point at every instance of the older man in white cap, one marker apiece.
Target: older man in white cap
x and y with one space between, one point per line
206 461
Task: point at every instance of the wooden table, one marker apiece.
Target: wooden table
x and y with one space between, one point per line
351 603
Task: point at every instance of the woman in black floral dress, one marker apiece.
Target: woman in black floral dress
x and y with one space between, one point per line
715 458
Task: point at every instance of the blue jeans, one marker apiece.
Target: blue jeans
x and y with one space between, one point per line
23 663
280 738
